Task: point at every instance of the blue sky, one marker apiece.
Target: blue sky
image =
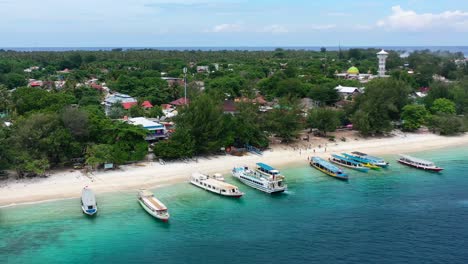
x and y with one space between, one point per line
188 23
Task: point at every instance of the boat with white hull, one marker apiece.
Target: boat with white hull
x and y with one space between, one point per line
215 184
88 201
152 205
264 178
419 163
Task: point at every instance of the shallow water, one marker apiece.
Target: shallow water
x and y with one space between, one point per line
396 215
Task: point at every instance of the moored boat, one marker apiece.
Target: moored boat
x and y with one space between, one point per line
152 205
371 159
348 163
365 162
264 178
328 168
215 184
88 201
418 163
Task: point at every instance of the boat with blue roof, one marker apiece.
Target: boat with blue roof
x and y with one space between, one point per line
365 158
328 168
264 178
365 162
348 163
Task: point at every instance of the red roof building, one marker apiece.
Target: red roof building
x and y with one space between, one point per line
180 101
96 86
128 105
147 104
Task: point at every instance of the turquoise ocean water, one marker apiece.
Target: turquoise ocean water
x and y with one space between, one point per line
399 215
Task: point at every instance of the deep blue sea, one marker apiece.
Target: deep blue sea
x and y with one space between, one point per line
403 49
399 215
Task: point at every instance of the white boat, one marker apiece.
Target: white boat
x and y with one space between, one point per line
419 163
215 184
264 178
88 201
152 205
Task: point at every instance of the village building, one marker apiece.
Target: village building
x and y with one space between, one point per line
172 81
348 93
353 72
203 69
156 131
115 98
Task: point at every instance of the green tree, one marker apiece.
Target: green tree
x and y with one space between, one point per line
446 124
181 144
285 121
414 116
324 119
99 154
136 111
443 105
203 118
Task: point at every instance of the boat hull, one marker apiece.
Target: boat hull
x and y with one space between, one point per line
237 195
362 169
89 212
152 213
330 174
437 169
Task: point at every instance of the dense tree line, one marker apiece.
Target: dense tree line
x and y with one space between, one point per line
54 126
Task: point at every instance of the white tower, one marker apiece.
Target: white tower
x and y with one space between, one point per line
382 55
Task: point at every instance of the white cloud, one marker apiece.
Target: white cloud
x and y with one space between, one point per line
322 27
409 20
224 28
275 29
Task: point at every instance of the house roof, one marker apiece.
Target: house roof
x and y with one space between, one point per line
128 105
145 122
347 90
229 106
96 86
147 104
180 101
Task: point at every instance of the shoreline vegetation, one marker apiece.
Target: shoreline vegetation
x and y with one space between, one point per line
65 184
103 109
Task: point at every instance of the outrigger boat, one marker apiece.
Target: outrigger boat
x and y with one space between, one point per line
264 178
215 184
348 163
328 168
371 159
88 201
418 163
152 205
365 162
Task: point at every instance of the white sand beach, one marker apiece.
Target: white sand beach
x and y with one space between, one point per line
69 183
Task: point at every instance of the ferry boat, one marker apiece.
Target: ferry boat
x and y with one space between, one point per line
152 205
348 163
264 178
365 162
215 184
88 201
371 159
418 163
328 168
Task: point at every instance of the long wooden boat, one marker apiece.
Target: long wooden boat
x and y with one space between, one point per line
371 159
348 163
328 168
215 184
365 162
152 205
88 201
419 163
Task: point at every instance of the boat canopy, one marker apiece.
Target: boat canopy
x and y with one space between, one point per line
87 197
146 193
267 167
325 164
346 159
417 160
365 156
220 184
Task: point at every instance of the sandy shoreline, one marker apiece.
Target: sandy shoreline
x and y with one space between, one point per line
68 184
